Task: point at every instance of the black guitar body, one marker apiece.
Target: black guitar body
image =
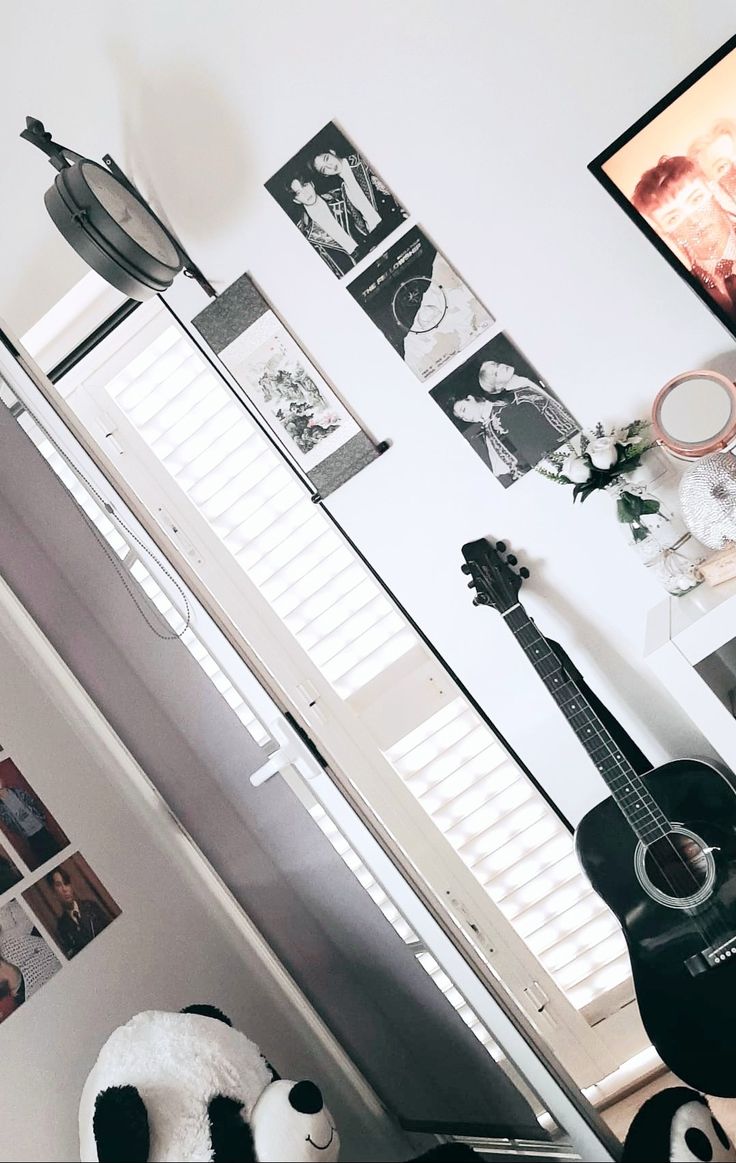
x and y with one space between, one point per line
687 999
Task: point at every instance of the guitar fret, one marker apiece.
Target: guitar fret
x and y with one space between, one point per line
644 815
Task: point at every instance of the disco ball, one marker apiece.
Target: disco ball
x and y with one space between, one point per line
708 499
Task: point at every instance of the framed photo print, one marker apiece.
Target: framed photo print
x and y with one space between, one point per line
674 173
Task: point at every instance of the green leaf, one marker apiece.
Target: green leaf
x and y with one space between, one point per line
635 427
559 478
584 490
631 463
649 507
631 507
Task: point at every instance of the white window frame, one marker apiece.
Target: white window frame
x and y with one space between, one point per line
518 1038
589 1049
341 734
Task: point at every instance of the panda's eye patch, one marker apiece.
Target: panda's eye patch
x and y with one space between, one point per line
230 1135
699 1143
725 1141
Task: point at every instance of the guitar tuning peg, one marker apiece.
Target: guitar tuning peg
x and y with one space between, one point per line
512 559
477 601
465 568
524 572
501 546
471 585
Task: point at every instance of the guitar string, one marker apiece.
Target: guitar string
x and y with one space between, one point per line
632 780
700 922
599 729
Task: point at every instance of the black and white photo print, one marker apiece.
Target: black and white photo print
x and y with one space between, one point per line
336 200
504 410
422 306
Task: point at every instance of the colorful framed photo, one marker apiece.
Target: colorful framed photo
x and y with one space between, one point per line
73 904
674 173
10 874
25 821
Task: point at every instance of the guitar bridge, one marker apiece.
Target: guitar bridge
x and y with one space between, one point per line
711 957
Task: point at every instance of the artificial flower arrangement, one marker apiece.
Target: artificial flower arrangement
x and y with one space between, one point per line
598 459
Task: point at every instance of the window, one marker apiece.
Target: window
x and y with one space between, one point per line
373 696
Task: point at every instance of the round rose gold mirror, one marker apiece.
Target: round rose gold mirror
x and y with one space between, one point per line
695 414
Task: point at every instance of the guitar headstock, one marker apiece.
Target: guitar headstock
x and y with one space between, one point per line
493 574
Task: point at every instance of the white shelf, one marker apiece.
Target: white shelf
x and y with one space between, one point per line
682 637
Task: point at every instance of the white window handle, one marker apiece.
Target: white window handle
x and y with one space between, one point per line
291 753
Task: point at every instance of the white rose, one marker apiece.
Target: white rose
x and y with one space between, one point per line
576 469
603 452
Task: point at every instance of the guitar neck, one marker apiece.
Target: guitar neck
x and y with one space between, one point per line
627 788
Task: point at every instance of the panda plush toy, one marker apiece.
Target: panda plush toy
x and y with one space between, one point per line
188 1088
677 1126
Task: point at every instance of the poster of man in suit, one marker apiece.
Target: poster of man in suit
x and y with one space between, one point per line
336 200
505 411
72 904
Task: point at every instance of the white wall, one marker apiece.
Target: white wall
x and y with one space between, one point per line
176 941
482 117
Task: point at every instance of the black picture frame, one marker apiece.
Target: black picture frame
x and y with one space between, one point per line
596 167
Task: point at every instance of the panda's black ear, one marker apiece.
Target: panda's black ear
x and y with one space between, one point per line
208 1012
120 1125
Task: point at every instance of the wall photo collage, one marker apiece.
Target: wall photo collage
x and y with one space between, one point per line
421 305
52 905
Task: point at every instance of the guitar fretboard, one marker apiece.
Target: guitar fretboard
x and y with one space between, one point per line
642 812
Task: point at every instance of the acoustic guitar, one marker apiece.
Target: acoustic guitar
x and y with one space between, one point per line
660 851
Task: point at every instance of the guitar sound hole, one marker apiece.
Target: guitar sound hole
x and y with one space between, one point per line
677 865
